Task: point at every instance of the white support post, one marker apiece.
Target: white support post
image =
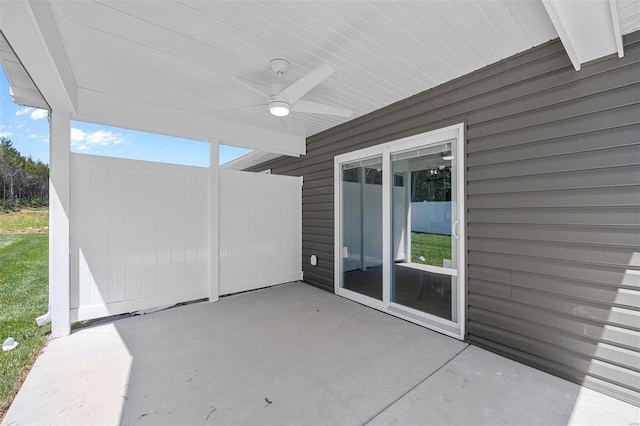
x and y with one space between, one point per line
59 205
214 209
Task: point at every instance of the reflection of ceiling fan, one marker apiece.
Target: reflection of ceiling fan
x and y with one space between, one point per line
282 100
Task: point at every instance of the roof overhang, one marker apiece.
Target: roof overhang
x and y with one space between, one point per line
589 30
32 34
111 110
78 60
248 160
29 33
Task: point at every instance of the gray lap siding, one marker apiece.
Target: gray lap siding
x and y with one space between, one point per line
553 206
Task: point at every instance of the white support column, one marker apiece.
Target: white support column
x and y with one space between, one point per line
59 205
214 209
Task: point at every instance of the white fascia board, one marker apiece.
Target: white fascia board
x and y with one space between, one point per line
585 28
31 30
111 110
27 97
250 159
242 162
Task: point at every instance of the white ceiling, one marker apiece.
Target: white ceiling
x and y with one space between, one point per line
187 53
629 15
201 56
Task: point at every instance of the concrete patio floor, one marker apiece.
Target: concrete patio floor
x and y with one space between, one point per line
291 354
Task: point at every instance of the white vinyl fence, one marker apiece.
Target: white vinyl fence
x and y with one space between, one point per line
139 235
260 230
362 225
432 217
141 238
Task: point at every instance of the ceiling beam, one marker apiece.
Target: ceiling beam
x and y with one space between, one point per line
558 22
586 29
111 110
32 33
617 27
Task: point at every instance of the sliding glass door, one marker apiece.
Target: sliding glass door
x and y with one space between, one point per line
399 242
361 189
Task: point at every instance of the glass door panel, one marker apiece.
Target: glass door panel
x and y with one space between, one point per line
424 196
361 211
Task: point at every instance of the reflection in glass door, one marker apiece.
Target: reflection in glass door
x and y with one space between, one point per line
399 242
424 197
362 227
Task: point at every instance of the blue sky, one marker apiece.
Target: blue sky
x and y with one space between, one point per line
28 129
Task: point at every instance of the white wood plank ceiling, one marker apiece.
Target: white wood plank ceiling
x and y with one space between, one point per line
629 11
203 56
186 53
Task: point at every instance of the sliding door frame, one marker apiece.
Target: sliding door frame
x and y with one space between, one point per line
434 137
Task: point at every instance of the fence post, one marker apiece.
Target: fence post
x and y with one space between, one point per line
59 214
214 209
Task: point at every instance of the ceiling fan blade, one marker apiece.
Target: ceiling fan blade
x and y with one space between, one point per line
239 108
296 90
253 87
315 108
286 124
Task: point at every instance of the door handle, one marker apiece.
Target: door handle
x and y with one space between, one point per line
453 229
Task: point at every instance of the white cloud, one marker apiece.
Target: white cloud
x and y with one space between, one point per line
5 134
77 135
84 141
23 111
39 114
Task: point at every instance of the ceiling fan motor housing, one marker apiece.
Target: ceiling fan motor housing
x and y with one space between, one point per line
278 106
279 66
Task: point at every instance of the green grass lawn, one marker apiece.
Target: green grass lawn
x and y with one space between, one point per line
24 221
23 295
433 247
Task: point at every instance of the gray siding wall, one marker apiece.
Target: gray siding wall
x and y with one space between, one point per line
553 199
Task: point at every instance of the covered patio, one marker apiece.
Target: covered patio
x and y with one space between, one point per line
529 108
291 355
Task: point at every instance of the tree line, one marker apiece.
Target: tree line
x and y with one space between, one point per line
23 181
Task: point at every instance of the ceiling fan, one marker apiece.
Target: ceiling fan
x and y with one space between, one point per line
285 99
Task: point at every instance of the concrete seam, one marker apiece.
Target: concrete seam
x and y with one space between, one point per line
415 386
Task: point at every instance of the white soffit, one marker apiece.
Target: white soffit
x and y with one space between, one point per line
32 33
250 159
191 54
23 90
